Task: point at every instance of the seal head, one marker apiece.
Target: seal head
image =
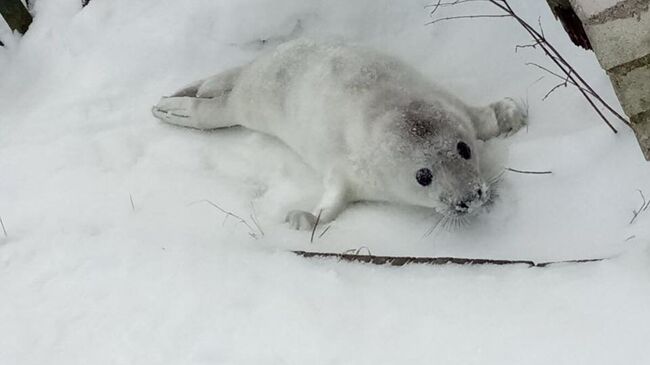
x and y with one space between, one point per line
439 165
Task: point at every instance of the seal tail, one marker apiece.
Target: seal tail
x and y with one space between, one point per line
200 105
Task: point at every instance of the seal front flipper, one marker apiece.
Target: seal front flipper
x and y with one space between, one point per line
332 203
503 117
511 115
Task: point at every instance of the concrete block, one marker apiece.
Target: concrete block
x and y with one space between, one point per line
618 34
632 86
641 126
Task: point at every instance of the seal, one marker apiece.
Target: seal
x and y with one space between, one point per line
374 127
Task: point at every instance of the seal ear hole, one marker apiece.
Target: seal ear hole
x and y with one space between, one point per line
463 150
424 177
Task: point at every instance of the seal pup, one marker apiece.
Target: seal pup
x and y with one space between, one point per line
374 127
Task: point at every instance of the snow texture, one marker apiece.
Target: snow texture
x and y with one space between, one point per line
112 256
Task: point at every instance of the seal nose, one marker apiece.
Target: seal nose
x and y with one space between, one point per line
463 205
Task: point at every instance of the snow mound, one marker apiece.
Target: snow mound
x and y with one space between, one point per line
114 255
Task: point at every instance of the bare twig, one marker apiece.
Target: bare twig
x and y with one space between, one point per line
561 62
132 204
404 260
529 172
553 89
566 81
531 45
539 22
644 206
572 76
552 73
468 17
441 4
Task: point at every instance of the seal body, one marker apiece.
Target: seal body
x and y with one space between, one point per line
372 125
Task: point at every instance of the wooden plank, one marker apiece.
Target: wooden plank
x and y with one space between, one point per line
404 260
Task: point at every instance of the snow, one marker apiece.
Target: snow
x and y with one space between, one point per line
87 278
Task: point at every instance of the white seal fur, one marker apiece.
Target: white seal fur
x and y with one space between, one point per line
372 125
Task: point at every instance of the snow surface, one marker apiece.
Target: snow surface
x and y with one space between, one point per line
87 278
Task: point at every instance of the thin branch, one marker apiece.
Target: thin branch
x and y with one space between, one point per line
547 70
531 45
644 206
560 61
564 78
529 172
468 17
132 204
582 90
539 39
441 4
555 88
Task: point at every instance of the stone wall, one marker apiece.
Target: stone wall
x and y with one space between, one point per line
619 33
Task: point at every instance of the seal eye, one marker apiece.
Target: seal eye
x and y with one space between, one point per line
463 150
424 177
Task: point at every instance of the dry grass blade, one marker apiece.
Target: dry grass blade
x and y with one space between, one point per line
324 231
253 216
4 230
251 231
313 231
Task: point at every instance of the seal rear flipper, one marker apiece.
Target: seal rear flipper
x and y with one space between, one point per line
202 104
193 112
